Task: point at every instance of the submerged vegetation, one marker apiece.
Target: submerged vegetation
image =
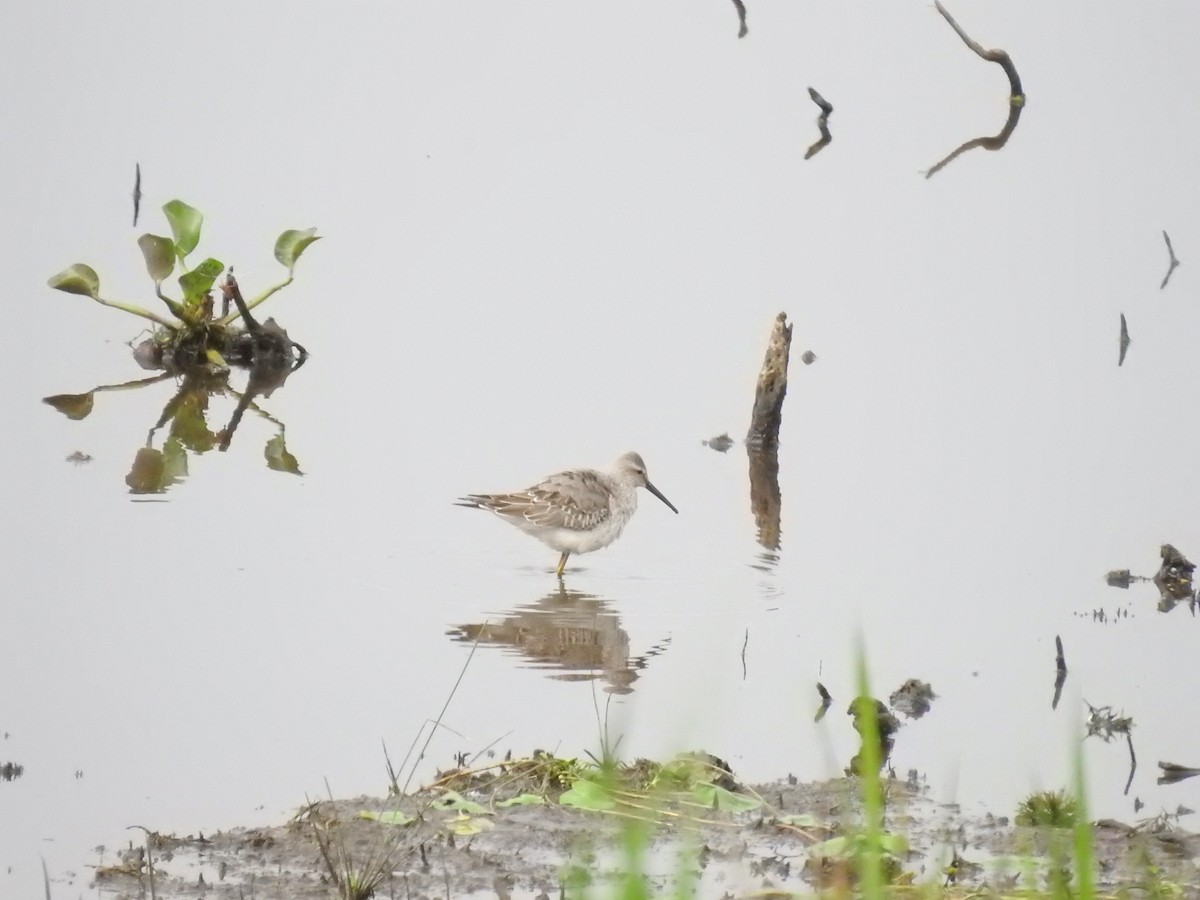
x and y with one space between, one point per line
193 333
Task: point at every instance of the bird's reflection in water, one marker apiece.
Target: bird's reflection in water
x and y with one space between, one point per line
573 635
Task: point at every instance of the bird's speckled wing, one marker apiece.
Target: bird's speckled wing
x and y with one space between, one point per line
576 500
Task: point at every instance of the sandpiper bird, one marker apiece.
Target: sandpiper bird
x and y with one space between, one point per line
576 511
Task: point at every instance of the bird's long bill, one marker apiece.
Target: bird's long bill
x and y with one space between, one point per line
659 494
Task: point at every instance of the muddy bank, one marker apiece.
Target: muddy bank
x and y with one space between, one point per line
477 837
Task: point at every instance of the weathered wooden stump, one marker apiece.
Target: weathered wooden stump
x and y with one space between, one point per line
762 441
772 387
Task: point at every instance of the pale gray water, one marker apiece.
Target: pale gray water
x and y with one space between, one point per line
554 234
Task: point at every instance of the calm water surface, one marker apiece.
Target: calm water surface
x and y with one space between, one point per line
553 235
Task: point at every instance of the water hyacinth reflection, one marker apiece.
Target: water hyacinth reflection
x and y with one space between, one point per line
157 465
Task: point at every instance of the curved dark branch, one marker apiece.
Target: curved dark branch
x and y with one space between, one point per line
987 143
996 56
1016 96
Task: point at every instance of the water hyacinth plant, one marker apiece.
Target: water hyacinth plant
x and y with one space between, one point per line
193 333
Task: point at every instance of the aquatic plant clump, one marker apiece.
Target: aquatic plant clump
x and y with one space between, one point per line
1055 809
194 333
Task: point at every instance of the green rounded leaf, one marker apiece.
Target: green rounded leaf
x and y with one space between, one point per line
146 475
280 460
185 225
832 847
199 281
455 800
73 406
292 243
587 795
387 817
465 825
77 279
715 797
160 256
189 425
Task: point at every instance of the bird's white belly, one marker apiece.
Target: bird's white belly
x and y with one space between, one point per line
569 540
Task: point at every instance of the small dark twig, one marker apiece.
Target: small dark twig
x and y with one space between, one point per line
741 11
1173 772
231 291
826 702
137 192
1132 761
1060 664
394 786
1173 261
822 123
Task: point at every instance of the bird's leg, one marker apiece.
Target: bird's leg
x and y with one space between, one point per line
562 564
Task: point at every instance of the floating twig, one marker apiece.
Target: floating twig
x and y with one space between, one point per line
826 702
1173 772
1016 97
741 11
1060 665
1174 262
1125 341
137 193
1132 762
822 123
745 641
